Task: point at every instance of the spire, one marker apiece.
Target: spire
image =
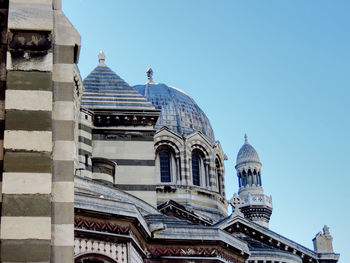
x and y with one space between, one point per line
149 73
101 58
245 138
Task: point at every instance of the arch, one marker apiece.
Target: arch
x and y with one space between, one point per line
168 143
166 162
93 258
199 176
205 151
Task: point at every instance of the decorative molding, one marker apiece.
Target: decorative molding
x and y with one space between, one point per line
192 252
101 227
84 247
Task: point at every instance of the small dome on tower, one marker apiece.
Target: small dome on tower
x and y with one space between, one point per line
247 153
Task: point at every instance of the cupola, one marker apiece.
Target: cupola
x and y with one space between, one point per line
256 205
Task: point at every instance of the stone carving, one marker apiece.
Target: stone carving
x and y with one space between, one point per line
323 241
33 42
189 251
236 202
101 227
149 73
115 251
101 58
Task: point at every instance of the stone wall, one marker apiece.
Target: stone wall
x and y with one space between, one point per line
38 189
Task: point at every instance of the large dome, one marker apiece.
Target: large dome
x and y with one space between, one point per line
247 153
180 113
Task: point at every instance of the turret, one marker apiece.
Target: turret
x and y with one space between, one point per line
257 206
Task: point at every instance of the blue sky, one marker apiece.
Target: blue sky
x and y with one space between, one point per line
276 70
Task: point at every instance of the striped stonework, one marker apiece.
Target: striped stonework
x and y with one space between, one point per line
27 140
41 113
85 144
3 50
67 90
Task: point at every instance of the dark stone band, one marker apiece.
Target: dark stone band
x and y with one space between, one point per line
27 162
26 205
21 80
25 250
28 120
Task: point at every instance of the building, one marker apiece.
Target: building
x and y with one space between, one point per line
98 171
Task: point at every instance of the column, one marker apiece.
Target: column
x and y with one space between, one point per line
27 177
3 50
65 116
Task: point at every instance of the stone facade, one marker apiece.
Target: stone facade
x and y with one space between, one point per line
97 171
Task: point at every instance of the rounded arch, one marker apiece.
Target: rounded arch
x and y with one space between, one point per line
167 161
93 258
200 175
165 143
205 151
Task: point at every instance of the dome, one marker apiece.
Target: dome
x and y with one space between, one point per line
247 153
179 112
104 89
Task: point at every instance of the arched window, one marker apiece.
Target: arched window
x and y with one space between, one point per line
164 161
166 164
196 169
200 169
219 175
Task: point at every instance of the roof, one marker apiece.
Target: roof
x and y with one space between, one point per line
104 89
179 112
247 153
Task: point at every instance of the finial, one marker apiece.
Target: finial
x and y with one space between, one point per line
236 202
245 138
326 230
101 58
150 75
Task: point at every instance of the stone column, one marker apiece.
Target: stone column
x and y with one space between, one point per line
37 221
65 116
27 177
3 50
178 169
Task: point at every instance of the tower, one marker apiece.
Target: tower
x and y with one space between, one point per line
257 206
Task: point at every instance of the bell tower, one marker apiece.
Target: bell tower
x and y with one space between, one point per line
256 205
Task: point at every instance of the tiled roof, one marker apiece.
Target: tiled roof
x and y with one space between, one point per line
247 153
180 112
104 89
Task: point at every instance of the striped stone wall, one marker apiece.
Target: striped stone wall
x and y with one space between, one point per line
27 176
3 50
67 90
133 152
40 120
85 144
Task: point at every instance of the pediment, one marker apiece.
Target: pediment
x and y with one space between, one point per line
259 237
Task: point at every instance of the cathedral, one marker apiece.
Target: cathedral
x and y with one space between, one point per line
95 170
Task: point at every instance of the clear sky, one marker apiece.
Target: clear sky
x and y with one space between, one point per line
276 70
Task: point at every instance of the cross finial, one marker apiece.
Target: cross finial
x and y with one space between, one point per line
236 202
245 138
101 58
149 73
